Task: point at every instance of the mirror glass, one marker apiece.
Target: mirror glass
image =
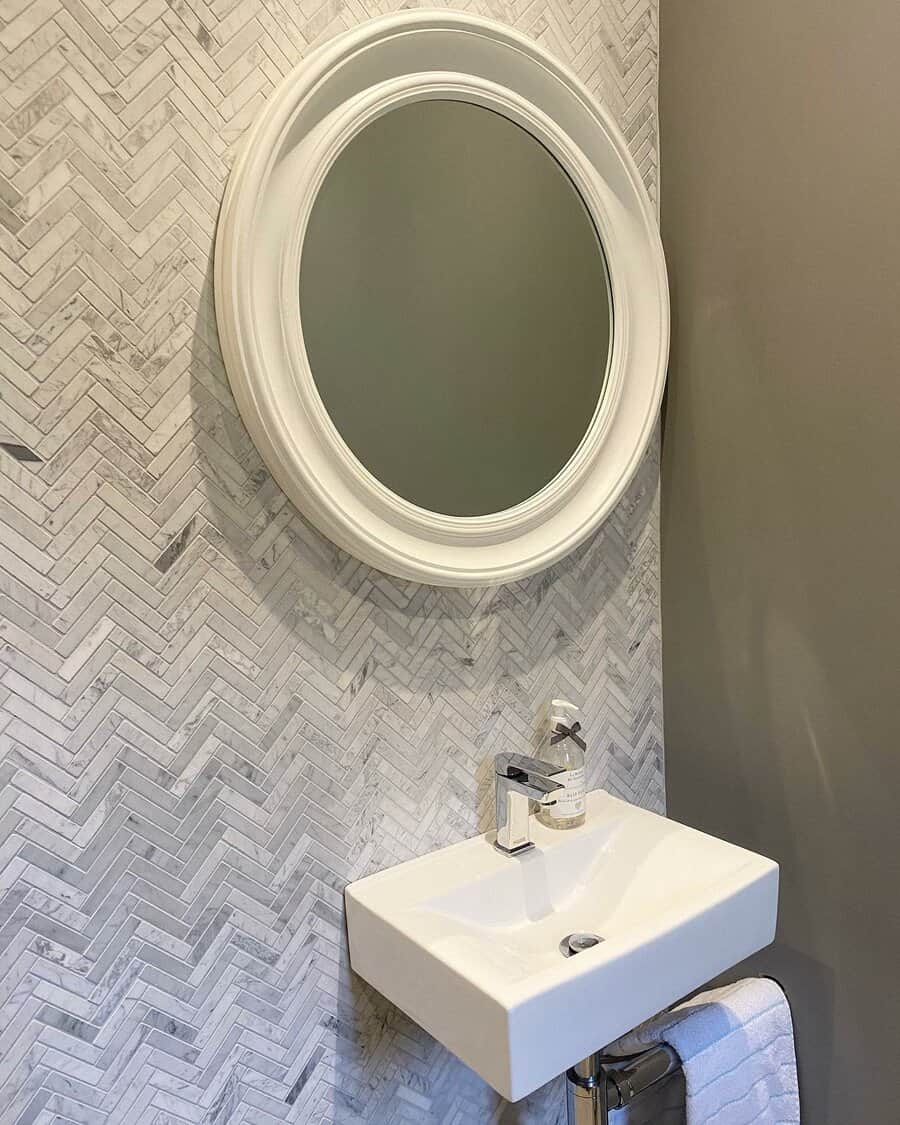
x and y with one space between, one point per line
455 307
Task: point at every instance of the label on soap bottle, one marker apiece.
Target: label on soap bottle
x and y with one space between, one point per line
569 802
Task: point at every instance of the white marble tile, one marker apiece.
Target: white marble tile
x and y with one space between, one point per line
210 717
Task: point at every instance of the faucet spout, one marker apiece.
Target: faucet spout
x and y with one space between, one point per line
520 782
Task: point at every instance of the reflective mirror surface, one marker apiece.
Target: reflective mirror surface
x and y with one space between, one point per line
455 307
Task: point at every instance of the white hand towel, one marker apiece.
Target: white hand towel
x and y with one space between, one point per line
736 1046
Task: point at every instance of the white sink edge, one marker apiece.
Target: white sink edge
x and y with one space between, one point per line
752 869
514 1082
519 1022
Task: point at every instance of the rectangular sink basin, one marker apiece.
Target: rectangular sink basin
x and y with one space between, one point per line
466 940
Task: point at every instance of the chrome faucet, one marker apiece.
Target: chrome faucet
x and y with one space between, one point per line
520 781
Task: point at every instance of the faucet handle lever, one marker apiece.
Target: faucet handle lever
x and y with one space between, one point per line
519 767
521 780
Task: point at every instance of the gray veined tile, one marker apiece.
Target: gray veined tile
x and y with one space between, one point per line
211 717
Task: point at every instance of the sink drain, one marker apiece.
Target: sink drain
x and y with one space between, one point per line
575 943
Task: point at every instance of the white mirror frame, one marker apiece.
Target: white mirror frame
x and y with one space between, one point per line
307 122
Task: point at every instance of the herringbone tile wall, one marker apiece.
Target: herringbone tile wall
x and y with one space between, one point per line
210 718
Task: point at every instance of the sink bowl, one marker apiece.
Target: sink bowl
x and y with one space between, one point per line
467 940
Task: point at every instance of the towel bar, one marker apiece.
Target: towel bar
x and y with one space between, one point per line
601 1083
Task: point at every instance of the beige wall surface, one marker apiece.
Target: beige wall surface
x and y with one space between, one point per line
780 166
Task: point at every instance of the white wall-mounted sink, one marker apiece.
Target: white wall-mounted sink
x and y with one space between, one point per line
466 940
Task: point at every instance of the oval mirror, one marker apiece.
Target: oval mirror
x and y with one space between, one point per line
466 262
441 299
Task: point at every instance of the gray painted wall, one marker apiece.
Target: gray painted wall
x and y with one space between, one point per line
210 718
781 528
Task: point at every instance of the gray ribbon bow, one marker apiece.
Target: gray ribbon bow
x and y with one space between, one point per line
561 731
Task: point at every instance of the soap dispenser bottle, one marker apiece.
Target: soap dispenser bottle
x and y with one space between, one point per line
565 747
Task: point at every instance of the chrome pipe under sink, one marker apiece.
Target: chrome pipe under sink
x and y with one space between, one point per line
601 1083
